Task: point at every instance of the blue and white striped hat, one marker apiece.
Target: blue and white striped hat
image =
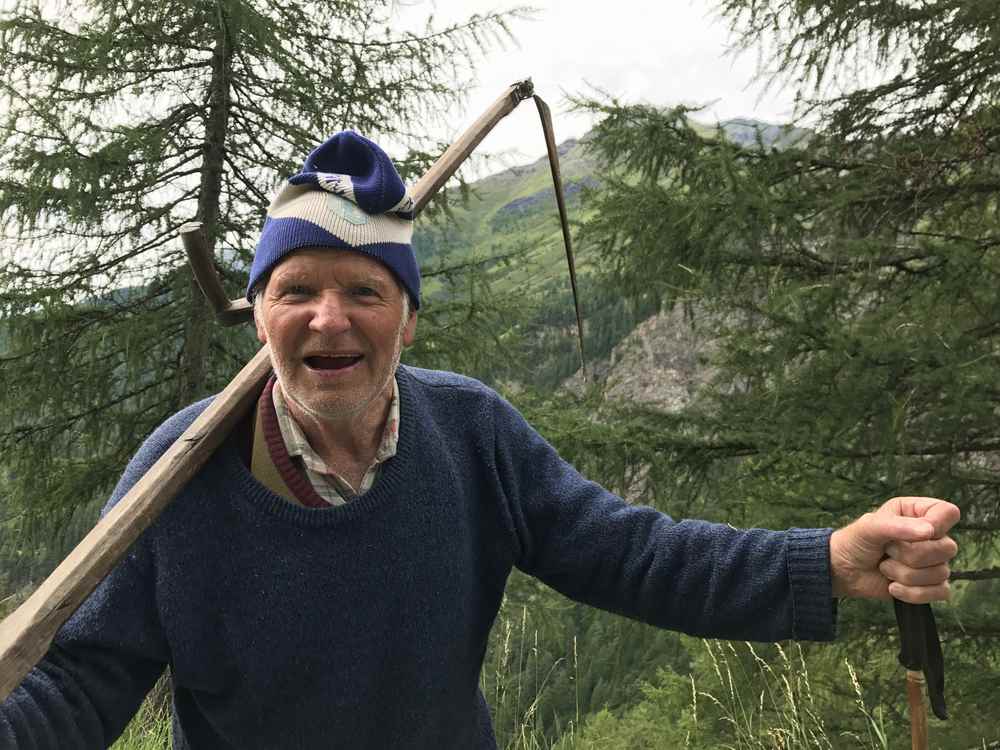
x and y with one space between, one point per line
350 196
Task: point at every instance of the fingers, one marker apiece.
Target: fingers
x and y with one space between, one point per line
920 594
941 514
918 571
902 550
922 554
932 576
887 528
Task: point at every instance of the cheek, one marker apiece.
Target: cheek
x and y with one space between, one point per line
373 324
283 331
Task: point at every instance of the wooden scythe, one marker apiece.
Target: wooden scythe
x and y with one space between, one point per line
25 636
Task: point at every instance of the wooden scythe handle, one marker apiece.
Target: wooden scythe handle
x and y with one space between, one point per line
25 636
442 170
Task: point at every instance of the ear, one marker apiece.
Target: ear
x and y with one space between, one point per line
410 329
259 324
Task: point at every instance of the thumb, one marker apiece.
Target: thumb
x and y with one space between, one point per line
883 528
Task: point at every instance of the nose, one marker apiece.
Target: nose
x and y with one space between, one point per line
329 315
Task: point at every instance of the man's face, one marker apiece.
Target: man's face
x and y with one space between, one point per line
334 320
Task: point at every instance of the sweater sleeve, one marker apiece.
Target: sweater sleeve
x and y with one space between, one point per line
704 579
107 656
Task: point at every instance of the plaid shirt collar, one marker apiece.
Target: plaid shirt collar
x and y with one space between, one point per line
319 473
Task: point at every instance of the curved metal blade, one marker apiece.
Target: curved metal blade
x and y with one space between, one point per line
550 145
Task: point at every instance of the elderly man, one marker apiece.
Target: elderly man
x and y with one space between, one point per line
329 579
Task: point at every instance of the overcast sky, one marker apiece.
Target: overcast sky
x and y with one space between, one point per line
661 52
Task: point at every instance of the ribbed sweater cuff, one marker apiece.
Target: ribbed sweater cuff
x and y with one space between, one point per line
814 610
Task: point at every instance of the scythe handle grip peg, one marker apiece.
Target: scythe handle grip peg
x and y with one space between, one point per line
228 312
524 89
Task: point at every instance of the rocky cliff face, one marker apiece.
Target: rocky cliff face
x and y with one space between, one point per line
663 363
754 134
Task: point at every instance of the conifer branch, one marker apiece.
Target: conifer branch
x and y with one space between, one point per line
975 575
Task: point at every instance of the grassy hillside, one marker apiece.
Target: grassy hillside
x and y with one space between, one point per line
516 208
508 227
513 212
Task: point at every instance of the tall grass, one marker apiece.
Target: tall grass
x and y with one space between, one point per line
783 714
514 679
736 700
148 730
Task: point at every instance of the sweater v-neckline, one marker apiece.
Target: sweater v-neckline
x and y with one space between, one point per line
388 488
292 476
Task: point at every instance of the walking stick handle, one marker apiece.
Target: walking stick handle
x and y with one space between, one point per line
918 709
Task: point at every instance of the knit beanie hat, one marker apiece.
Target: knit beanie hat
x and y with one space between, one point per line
348 195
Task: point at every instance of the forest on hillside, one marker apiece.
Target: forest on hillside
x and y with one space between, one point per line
840 276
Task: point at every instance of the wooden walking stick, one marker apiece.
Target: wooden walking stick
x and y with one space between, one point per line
25 636
921 656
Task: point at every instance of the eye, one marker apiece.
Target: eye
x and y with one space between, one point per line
296 290
363 291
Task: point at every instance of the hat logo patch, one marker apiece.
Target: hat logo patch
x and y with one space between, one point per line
347 210
339 184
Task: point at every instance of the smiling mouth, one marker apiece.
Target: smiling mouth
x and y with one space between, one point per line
332 363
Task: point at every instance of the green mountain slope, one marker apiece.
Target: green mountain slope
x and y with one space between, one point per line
516 210
509 229
510 213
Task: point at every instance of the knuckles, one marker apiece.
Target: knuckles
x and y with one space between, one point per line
927 576
923 554
921 594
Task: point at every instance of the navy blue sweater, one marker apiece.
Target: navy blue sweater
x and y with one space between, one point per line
365 626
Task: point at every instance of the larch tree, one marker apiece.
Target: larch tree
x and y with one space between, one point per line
120 121
848 277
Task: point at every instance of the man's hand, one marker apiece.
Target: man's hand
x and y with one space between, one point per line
901 550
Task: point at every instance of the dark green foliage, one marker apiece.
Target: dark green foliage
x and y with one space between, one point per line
850 279
122 121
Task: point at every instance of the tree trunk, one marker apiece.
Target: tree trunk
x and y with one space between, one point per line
197 338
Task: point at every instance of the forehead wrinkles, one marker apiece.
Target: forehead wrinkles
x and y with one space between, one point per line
341 275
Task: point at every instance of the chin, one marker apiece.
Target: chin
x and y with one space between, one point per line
346 401
329 410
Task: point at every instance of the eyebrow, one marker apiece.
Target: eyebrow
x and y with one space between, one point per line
366 279
376 282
